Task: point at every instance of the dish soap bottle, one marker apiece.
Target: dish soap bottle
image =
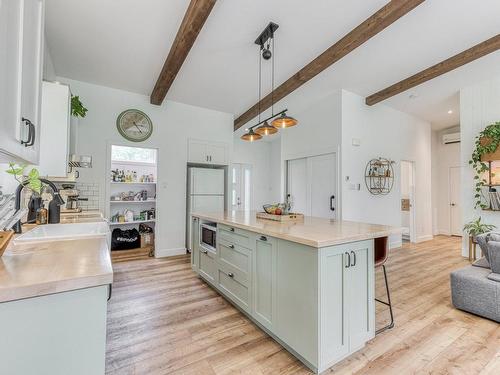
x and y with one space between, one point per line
42 215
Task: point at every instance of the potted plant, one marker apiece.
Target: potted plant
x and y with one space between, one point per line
77 107
485 147
475 228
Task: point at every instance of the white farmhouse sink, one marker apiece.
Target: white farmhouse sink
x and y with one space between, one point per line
60 232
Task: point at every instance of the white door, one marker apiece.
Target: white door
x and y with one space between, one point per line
241 187
455 202
298 185
323 177
312 185
207 181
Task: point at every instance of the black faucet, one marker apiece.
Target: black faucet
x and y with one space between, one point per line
55 196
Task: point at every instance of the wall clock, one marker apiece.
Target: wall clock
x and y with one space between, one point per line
134 125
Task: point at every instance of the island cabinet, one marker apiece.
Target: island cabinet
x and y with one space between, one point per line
318 302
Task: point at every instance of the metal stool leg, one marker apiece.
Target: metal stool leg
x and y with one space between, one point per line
391 324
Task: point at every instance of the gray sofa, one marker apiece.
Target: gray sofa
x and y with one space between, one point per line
476 288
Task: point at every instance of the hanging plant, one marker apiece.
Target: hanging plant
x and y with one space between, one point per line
487 142
77 108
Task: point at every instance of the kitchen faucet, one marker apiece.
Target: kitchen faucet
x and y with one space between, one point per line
55 196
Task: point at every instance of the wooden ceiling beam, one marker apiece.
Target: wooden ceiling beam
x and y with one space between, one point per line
192 23
454 62
377 22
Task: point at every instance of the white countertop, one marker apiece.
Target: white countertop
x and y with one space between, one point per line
313 231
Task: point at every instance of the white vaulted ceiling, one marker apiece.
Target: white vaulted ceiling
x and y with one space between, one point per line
124 43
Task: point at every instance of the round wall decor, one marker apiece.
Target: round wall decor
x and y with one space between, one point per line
134 125
379 176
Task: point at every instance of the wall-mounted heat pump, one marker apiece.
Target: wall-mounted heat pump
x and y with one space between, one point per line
451 138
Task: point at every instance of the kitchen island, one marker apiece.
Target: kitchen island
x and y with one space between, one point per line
309 284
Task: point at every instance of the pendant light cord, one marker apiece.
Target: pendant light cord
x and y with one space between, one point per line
260 74
272 79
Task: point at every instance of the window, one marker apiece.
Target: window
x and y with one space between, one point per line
133 154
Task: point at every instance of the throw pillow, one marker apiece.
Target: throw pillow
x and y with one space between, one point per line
494 256
482 241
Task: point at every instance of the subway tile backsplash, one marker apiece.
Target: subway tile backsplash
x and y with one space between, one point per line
90 191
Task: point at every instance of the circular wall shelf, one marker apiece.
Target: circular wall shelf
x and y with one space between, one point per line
379 176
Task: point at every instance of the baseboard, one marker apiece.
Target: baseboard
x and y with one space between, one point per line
162 253
428 237
443 232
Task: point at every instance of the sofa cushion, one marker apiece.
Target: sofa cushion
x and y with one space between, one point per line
494 256
481 262
494 276
482 241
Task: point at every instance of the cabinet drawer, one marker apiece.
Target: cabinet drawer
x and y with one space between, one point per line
236 256
234 287
234 236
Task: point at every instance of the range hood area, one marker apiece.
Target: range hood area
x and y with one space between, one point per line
80 161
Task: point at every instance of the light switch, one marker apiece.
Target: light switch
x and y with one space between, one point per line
356 142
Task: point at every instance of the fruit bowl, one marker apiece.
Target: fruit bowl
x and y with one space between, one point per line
273 209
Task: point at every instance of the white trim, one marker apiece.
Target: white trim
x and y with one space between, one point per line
161 253
427 237
443 232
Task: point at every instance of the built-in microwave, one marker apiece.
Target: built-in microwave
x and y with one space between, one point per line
208 236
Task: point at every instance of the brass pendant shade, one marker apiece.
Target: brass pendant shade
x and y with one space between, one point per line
266 129
284 121
251 136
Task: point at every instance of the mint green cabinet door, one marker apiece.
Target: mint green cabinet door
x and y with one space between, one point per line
334 319
265 280
361 294
195 243
207 267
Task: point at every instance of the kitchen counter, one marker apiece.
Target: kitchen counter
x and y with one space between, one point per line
91 216
37 269
312 231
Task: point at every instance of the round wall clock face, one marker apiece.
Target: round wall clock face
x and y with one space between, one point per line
134 125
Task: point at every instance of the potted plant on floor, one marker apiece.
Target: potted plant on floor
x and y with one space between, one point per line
475 228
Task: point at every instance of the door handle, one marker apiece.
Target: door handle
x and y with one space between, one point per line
231 246
204 251
30 130
231 229
110 290
332 198
348 263
452 204
354 257
230 274
263 238
33 134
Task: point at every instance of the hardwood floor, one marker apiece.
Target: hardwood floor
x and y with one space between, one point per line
163 319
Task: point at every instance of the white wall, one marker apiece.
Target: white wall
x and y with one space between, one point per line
258 155
384 132
49 73
479 107
443 158
173 124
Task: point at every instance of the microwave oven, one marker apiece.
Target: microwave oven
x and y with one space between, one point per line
208 236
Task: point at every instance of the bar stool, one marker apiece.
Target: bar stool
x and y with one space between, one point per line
381 255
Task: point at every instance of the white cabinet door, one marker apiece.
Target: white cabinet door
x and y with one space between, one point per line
361 294
217 153
21 46
264 281
197 152
207 181
55 120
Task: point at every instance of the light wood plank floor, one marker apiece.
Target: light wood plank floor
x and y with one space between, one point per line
162 319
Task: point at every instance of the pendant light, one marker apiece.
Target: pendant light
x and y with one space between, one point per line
266 129
284 121
251 136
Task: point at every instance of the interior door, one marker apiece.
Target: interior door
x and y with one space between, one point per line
312 185
298 185
323 178
455 202
241 186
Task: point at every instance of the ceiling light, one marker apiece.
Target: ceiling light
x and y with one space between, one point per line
284 121
450 111
251 136
266 129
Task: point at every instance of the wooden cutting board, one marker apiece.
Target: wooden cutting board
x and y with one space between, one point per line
281 218
5 237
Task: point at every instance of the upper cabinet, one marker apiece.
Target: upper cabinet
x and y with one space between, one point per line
55 121
21 62
207 152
